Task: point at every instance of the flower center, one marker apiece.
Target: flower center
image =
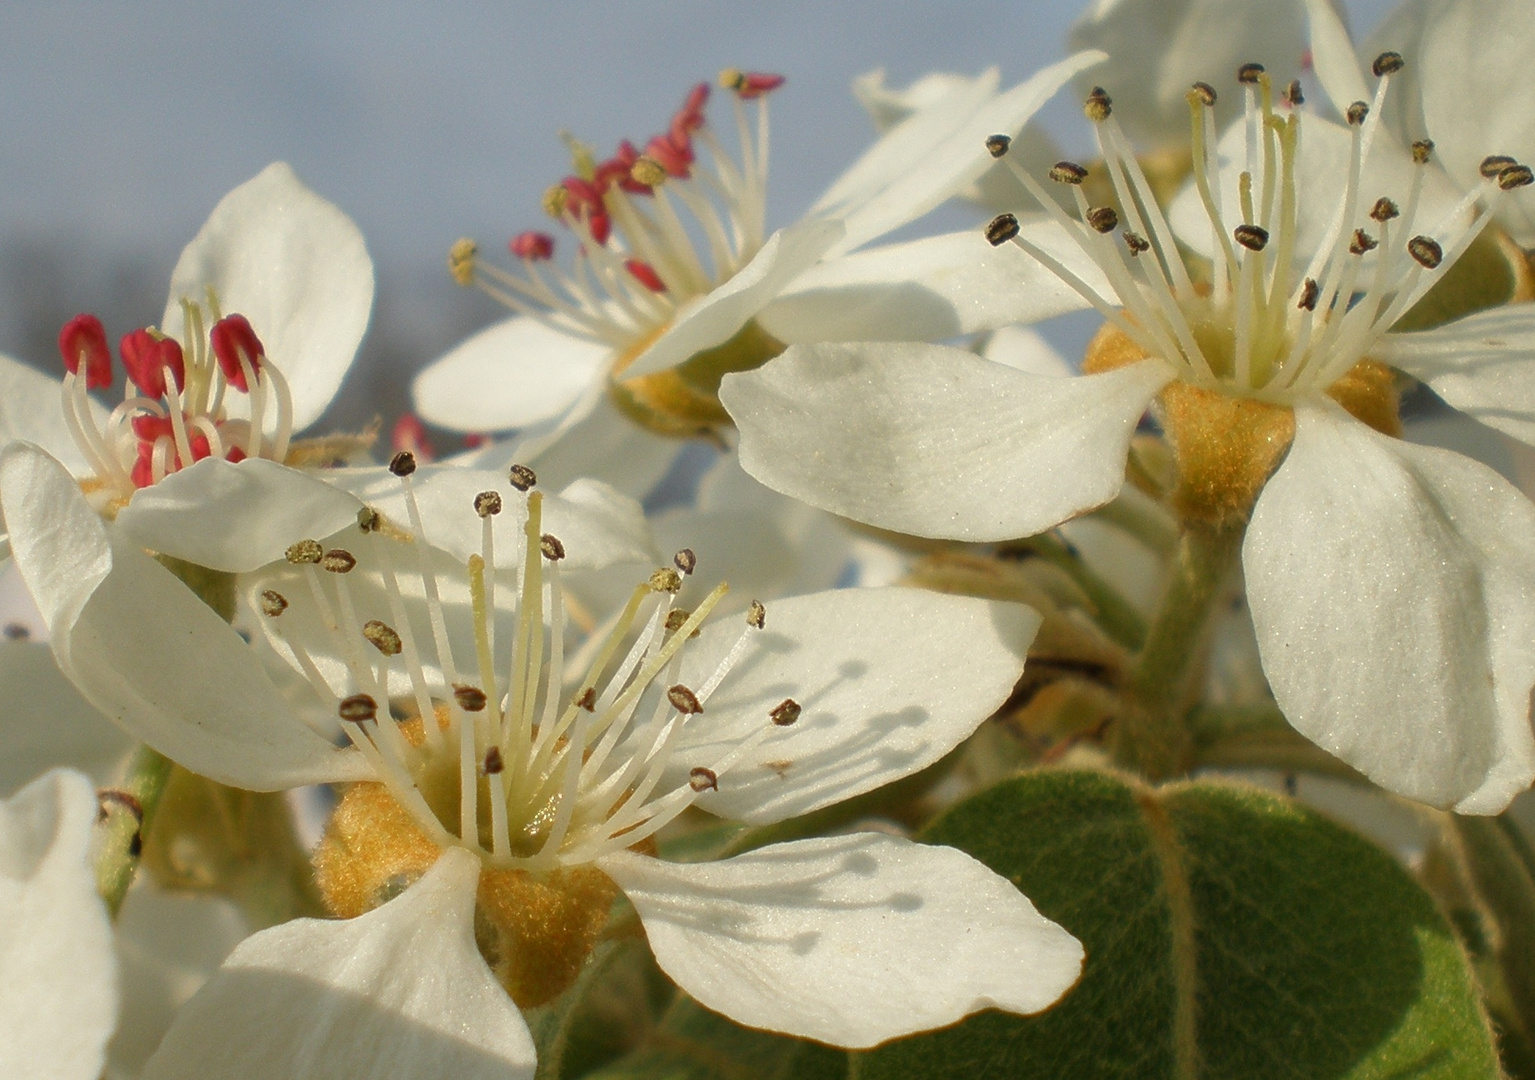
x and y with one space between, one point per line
174 410
1258 328
454 688
654 228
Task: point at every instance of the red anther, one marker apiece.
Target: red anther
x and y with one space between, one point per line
645 274
600 224
691 116
84 338
583 193
617 169
149 428
235 454
476 439
754 84
1307 62
675 156
200 449
410 434
231 338
146 357
143 474
536 246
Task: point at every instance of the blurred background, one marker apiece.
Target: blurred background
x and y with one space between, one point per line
124 123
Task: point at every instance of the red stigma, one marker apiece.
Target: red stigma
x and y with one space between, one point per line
645 274
83 338
232 338
755 84
410 434
536 246
146 358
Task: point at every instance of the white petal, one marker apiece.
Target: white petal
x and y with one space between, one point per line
850 940
44 722
597 525
58 975
1484 365
928 290
924 175
1332 55
397 994
934 441
142 648
168 945
1160 47
32 409
716 318
889 680
1393 591
509 375
297 268
1023 349
235 516
1468 105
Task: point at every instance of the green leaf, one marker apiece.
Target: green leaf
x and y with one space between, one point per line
693 1043
1229 933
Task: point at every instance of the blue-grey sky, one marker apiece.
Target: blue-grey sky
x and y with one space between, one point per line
123 123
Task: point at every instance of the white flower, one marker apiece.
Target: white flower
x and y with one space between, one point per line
267 306
652 321
1392 586
518 794
58 973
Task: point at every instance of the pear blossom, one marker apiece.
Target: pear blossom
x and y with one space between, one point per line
1392 586
267 306
58 973
650 317
538 779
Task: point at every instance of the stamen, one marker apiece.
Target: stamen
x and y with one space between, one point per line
684 700
382 637
1103 219
358 709
701 779
756 615
1067 172
1248 74
1493 164
273 603
1426 252
785 713
1252 237
1099 106
1001 229
685 561
1387 63
998 145
522 477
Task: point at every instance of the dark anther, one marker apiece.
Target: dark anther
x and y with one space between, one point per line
487 503
338 561
1309 295
702 779
1515 176
403 463
382 637
1422 150
273 603
305 551
666 580
756 615
1384 210
1001 229
1387 63
997 145
675 618
358 709
1252 237
587 700
1493 164
1292 93
1067 172
1103 219
1204 92
684 700
15 631
1426 251
685 560
493 762
1362 242
522 477
1356 113
785 712
1137 243
106 797
369 519
469 698
1098 105
1248 73
550 545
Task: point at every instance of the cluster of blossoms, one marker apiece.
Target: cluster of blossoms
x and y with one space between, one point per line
518 742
